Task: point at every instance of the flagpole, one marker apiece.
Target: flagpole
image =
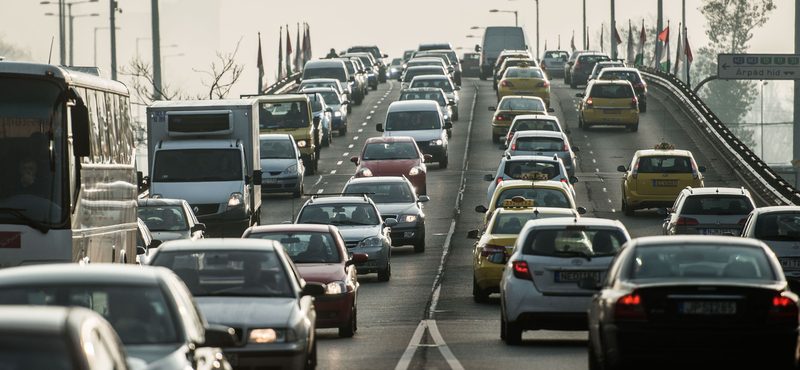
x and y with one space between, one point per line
613 35
260 66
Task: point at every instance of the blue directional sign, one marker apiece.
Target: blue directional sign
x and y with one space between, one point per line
758 66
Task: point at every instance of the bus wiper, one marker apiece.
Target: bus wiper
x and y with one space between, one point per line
29 221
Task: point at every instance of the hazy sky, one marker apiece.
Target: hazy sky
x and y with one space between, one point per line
199 28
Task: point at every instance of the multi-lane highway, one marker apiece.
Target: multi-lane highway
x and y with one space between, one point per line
425 317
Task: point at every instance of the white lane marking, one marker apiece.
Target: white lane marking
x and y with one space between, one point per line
443 348
591 152
320 191
339 163
350 146
613 210
609 200
589 144
333 171
584 136
375 106
604 190
364 124
594 160
371 112
355 137
345 154
361 130
596 170
408 354
368 117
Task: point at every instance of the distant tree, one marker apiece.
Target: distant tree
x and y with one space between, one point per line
13 52
224 76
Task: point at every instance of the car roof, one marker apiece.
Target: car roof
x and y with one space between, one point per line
521 67
274 136
150 202
663 152
646 241
607 62
426 59
537 158
416 68
521 97
581 221
322 63
377 179
532 184
547 210
281 98
431 77
311 90
414 89
593 53
611 82
290 227
218 243
534 116
390 139
719 190
73 273
540 133
774 209
413 105
339 200
36 320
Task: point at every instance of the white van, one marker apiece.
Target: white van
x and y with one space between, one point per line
497 39
423 121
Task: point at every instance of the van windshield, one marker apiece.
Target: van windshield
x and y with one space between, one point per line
424 120
499 41
196 165
284 115
332 72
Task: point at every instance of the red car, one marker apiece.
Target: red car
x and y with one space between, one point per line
393 156
321 256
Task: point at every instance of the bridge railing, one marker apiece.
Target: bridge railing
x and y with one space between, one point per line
284 85
765 183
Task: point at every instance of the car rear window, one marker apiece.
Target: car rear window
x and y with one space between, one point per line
700 261
556 54
390 151
411 73
441 83
778 227
591 59
512 223
427 95
534 124
522 104
573 241
541 197
396 192
515 169
665 164
716 205
523 73
305 246
604 91
472 56
538 144
335 73
423 120
633 77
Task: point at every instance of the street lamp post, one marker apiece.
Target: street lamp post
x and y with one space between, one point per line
61 3
516 19
537 28
762 118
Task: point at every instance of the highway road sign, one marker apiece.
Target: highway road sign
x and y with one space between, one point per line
758 66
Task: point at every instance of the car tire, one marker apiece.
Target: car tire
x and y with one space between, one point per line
311 360
419 246
642 107
349 328
449 133
478 294
443 162
594 363
628 210
573 84
297 194
375 87
585 126
309 167
634 128
494 84
580 123
495 138
567 78
455 116
510 332
385 275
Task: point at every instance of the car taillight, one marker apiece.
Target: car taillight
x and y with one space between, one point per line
629 307
783 309
514 146
489 249
742 221
542 84
686 221
544 65
694 171
510 135
636 169
638 86
507 84
498 180
566 148
577 65
589 102
563 180
634 103
521 270
504 117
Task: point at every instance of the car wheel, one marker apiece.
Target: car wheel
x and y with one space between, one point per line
634 128
628 210
349 328
572 84
495 138
342 130
443 162
580 122
385 275
326 140
297 194
502 327
455 116
419 247
594 364
311 360
566 78
494 84
310 168
478 294
513 333
375 87
642 107
349 108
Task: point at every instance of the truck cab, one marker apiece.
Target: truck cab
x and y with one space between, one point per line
291 114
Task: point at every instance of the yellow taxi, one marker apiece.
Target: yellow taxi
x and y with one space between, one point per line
537 191
524 80
512 106
609 101
291 114
496 242
511 61
656 177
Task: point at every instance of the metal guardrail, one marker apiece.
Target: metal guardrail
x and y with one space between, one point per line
770 186
283 85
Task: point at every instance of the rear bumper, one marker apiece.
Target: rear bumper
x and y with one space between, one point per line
525 304
405 234
598 116
499 130
488 275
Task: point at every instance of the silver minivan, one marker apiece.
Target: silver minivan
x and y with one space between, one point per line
423 121
497 39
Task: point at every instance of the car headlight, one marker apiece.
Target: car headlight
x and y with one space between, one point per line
156 196
302 143
366 172
372 241
291 169
336 287
267 336
416 170
235 201
394 70
408 218
446 117
437 142
337 114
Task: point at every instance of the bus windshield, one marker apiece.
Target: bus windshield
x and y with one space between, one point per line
31 135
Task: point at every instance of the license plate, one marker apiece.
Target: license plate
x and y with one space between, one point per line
612 119
719 231
270 181
792 263
665 182
574 276
233 358
706 308
612 111
524 92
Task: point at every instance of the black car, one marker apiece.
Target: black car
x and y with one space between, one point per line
150 309
376 55
571 61
693 300
582 69
634 77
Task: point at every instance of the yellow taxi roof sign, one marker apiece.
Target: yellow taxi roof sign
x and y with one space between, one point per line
523 64
534 176
664 145
517 202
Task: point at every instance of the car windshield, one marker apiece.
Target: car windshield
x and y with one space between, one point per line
442 83
716 205
31 351
411 73
336 73
541 197
351 68
197 165
339 215
331 98
511 223
717 262
420 120
523 73
424 95
305 246
311 84
396 192
397 61
535 124
163 218
139 314
228 272
778 227
390 151
316 105
415 63
608 91
284 114
277 149
665 164
548 144
573 242
556 55
515 169
522 104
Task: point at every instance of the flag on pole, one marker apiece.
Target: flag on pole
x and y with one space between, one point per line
545 44
587 38
601 38
665 60
260 65
639 60
281 71
572 43
308 36
288 53
678 53
687 51
616 36
559 42
630 55
306 49
298 54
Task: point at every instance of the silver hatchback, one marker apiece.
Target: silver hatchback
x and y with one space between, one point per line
708 211
545 143
779 228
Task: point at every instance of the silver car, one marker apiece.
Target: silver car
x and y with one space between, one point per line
528 122
281 165
544 143
553 62
412 72
779 228
442 82
512 168
708 211
170 219
431 93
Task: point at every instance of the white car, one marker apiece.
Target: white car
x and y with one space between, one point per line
442 82
421 120
539 289
544 143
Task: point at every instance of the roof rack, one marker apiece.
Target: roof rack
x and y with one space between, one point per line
317 195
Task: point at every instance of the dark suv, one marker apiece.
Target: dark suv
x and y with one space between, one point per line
377 55
571 61
582 69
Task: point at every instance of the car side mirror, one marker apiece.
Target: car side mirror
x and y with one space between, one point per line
390 222
457 88
488 177
352 79
450 69
502 147
498 257
568 131
581 210
140 250
550 110
473 234
385 55
588 282
155 243
399 79
426 158
573 180
313 289
448 125
492 108
379 127
621 169
357 258
570 63
198 227
219 336
79 113
345 102
354 160
662 212
423 198
481 209
329 109
579 95
702 168
451 103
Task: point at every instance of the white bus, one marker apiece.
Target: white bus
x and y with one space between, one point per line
68 185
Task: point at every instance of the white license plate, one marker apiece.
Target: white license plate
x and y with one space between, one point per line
791 263
270 181
574 276
706 308
719 231
233 358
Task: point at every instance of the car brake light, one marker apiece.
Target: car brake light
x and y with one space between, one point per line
489 249
638 86
510 135
783 309
686 221
629 307
544 65
742 221
498 180
634 103
563 180
589 102
521 270
566 148
542 84
514 146
636 169
507 84
577 65
694 171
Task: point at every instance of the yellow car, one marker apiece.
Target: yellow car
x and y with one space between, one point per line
537 191
291 114
512 106
656 177
499 237
524 80
608 102
511 61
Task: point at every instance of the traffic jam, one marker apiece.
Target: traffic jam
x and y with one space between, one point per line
247 253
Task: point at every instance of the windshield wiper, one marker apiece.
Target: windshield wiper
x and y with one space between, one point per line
315 222
349 223
29 221
212 178
575 253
